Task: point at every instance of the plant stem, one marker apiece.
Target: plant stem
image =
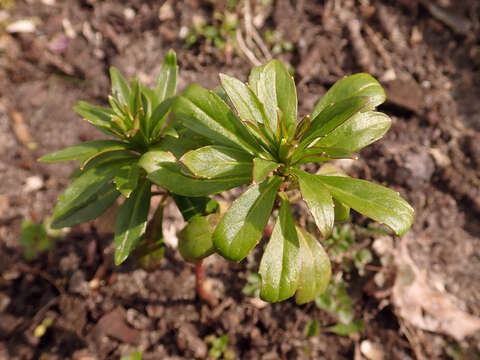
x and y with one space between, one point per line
202 292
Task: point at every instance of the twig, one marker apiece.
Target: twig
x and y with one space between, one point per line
244 48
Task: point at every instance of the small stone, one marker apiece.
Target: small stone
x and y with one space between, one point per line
21 26
371 350
33 183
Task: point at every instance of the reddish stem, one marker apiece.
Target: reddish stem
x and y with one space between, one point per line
202 292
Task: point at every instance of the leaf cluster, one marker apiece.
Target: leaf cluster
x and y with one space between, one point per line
239 134
258 141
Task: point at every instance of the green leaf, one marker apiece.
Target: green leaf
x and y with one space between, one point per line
374 201
312 329
126 179
244 99
195 240
96 205
342 211
347 329
151 247
315 269
254 78
280 264
195 206
262 167
167 80
187 140
98 116
172 177
276 90
218 161
153 160
205 113
135 100
120 88
120 157
319 154
242 226
286 94
84 150
332 117
158 118
88 184
360 84
359 131
318 199
131 221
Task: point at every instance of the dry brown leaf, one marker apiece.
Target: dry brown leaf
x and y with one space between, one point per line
418 303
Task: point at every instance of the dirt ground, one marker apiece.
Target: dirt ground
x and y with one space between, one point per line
426 53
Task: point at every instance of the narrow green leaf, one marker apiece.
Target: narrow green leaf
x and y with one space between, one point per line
205 113
120 157
280 263
374 201
187 140
120 88
318 199
88 184
218 161
347 329
195 206
302 127
319 154
159 117
262 167
98 116
96 205
131 221
312 329
332 117
360 84
244 99
359 131
84 150
242 226
126 179
167 80
172 177
315 269
135 100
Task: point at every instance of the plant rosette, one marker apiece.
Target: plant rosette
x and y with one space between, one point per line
260 142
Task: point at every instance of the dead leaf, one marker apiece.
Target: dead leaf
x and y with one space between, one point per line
418 303
21 131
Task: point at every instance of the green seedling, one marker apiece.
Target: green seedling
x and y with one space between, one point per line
218 347
263 145
336 301
37 238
